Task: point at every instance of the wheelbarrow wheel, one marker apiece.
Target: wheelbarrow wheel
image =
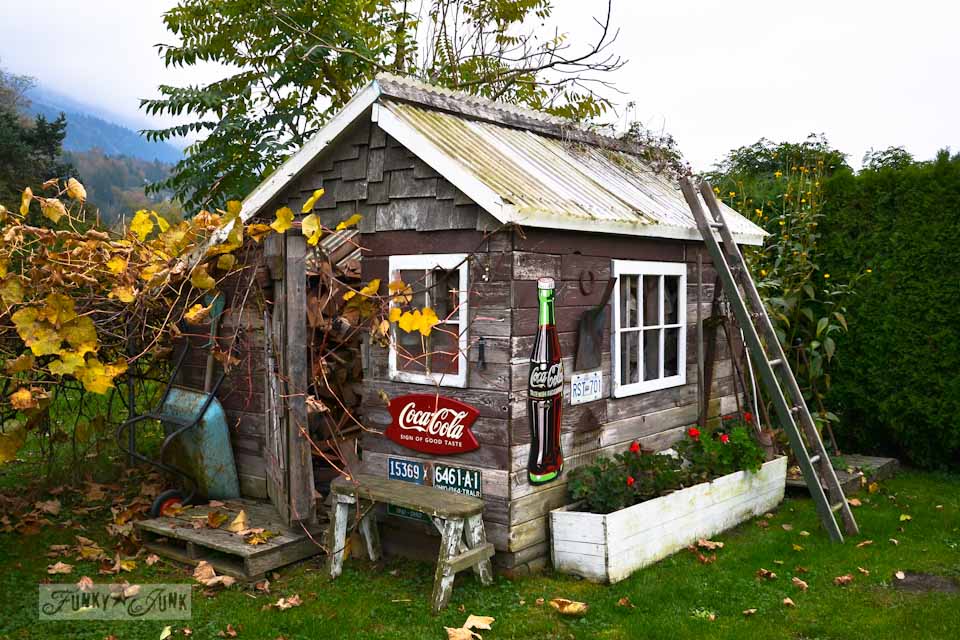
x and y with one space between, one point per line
167 499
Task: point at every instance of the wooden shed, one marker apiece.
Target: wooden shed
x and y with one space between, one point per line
481 199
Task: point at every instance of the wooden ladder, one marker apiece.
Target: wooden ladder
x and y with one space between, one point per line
771 362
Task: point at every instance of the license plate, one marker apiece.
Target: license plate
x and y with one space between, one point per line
408 471
586 387
458 480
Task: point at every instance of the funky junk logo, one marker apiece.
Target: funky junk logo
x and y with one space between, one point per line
114 602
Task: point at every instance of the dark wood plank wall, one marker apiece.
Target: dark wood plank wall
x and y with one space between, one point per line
602 427
242 391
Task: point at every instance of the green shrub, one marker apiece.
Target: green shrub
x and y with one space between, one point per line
635 476
897 386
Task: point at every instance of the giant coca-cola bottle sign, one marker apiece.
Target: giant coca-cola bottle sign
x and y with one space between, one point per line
432 424
545 392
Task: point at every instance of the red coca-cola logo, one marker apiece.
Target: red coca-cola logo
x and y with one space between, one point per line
432 424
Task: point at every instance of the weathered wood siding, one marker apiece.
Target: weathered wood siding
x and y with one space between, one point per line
606 426
242 391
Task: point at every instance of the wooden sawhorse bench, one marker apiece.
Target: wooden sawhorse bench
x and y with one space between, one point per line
459 518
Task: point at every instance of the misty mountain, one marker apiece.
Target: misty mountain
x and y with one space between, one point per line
89 127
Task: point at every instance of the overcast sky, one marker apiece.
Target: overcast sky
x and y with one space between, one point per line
717 75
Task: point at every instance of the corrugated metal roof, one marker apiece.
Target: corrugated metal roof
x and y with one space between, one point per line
551 182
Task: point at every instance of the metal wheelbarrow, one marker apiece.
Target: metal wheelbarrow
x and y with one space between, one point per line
196 447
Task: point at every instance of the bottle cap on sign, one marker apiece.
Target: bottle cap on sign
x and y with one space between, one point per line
545 283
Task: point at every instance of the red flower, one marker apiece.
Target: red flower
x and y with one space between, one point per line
724 438
630 481
634 447
693 432
747 417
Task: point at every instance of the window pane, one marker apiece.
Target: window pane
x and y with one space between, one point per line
444 346
671 352
651 354
410 351
628 301
651 300
444 294
417 282
629 357
671 298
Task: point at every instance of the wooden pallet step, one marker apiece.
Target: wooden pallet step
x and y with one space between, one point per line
178 538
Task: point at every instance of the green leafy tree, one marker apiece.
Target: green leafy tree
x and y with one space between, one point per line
293 63
30 149
780 186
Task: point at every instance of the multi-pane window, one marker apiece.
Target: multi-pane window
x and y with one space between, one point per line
437 281
649 326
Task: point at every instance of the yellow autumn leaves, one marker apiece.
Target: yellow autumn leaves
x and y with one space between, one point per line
310 226
44 328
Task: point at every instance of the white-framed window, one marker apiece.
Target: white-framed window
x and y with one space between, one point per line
649 309
438 281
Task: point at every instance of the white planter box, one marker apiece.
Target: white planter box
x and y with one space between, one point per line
609 547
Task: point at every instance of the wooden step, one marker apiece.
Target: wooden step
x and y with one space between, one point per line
178 538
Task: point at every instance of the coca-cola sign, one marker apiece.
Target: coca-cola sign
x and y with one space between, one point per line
432 424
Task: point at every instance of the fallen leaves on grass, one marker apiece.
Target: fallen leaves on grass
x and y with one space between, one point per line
787 527
798 547
569 607
709 545
865 572
844 580
60 567
766 574
152 559
865 543
166 633
85 584
749 612
205 575
787 602
905 517
466 632
800 584
625 602
229 632
263 586
286 603
49 506
900 575
894 542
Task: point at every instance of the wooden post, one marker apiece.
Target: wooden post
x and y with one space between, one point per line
275 445
295 345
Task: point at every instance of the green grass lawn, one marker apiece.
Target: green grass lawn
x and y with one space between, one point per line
673 599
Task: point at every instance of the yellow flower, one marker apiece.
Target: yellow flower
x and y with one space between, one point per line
763 273
733 194
759 212
782 223
716 190
826 275
777 174
802 200
869 270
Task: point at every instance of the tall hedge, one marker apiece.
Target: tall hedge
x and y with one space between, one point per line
898 381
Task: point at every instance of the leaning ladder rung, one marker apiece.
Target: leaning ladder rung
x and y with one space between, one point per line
794 409
716 225
836 507
814 459
775 361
